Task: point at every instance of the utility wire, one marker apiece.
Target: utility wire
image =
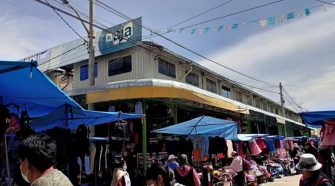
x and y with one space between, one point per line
321 1
62 54
235 13
181 46
67 23
104 29
200 14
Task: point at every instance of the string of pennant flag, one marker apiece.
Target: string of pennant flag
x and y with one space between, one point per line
263 22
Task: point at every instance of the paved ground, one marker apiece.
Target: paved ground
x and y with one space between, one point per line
285 181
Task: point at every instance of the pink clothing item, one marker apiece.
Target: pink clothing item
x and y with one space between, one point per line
327 134
236 165
261 143
183 172
240 149
254 148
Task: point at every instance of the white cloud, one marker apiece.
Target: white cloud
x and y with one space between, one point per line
298 52
22 36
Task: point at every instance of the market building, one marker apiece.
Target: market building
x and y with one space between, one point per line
169 88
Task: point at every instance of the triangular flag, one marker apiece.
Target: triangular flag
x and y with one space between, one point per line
263 22
228 27
300 13
200 30
206 29
281 19
290 16
271 20
193 30
235 26
307 12
220 28
181 30
324 8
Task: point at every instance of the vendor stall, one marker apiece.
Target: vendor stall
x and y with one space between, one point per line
30 101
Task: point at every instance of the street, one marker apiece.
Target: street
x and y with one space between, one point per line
285 181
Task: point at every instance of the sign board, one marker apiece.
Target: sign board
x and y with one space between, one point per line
119 37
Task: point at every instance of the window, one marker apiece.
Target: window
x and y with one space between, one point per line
119 66
238 96
166 68
192 79
225 92
211 85
84 71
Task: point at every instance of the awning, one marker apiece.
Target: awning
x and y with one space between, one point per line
203 125
160 90
317 118
28 89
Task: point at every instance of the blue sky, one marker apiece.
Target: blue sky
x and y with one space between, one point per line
299 52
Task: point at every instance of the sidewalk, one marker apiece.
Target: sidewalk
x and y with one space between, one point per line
285 181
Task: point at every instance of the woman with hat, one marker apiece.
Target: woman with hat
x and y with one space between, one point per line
310 169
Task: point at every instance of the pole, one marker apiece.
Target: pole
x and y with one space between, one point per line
91 46
282 101
144 138
8 178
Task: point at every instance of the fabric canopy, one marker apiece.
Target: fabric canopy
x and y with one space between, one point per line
315 119
203 125
72 117
28 89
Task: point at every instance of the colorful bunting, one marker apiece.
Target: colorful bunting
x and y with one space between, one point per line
272 20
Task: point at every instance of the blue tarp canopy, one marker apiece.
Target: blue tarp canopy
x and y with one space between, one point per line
315 119
74 117
203 125
22 84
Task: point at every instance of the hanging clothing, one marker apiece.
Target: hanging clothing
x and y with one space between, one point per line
327 134
230 147
138 108
270 145
261 143
204 147
254 148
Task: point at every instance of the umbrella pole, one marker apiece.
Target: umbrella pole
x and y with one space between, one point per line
8 178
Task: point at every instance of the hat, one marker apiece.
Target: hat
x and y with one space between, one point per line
234 153
308 162
172 157
183 159
296 145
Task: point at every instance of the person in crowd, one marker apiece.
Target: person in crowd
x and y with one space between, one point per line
172 162
37 155
236 168
295 154
120 174
158 175
310 169
185 174
311 149
326 162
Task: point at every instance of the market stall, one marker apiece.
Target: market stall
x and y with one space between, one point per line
30 101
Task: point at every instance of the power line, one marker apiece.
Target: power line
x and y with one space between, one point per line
61 54
67 23
235 13
104 29
196 53
321 1
200 14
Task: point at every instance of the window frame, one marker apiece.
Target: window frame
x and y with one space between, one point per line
124 65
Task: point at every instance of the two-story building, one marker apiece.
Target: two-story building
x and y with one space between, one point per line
132 75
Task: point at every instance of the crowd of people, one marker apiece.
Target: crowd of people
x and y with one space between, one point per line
37 159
